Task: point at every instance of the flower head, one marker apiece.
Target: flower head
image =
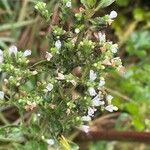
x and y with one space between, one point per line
114 48
96 101
12 50
60 76
101 82
84 128
49 87
111 108
86 118
102 37
109 98
92 75
34 72
27 53
1 56
1 95
50 141
58 44
91 111
92 91
77 30
48 56
30 105
68 4
113 14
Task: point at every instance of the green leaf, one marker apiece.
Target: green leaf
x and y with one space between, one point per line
105 3
136 121
133 109
89 13
122 2
137 45
139 14
88 3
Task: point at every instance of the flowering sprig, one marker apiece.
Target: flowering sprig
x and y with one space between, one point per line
67 87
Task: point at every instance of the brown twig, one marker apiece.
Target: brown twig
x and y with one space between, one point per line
131 136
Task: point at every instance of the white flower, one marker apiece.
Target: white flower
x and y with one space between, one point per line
102 37
48 56
49 87
38 115
2 95
92 75
1 56
111 108
17 84
73 82
96 101
12 50
50 141
92 91
109 98
34 72
68 4
86 118
60 76
84 128
1 59
91 111
58 44
27 53
113 14
101 82
114 48
1 52
77 30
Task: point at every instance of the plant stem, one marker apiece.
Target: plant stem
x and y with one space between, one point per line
39 62
12 140
16 25
131 136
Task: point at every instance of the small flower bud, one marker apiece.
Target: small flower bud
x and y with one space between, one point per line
68 4
113 14
50 141
114 48
34 72
77 30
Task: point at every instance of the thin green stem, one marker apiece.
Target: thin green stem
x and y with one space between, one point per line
39 62
12 140
3 119
17 24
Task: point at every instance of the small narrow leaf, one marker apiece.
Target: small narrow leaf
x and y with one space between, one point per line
88 3
105 3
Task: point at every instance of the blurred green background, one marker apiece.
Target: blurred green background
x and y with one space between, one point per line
21 25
